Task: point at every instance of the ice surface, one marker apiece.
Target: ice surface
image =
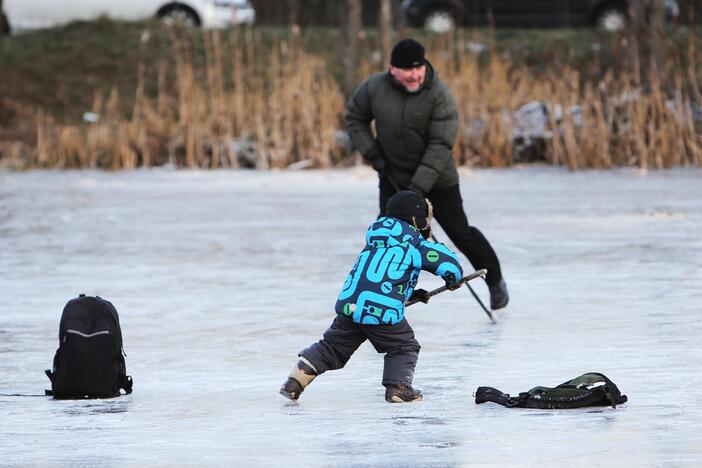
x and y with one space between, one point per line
221 277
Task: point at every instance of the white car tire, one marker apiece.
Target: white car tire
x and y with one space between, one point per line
179 15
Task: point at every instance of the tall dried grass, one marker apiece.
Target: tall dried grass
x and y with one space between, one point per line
287 107
283 104
618 122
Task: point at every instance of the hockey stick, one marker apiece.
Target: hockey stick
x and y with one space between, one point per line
458 284
489 312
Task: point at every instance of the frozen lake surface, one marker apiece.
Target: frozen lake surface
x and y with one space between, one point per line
221 277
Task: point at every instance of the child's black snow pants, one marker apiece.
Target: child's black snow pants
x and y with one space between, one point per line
344 336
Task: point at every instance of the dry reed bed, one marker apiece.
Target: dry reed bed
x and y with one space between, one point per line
619 121
285 104
289 109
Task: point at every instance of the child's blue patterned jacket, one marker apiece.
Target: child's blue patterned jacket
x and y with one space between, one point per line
386 272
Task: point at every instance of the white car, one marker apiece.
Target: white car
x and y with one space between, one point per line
31 14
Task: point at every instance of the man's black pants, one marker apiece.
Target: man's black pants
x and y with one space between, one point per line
448 211
344 336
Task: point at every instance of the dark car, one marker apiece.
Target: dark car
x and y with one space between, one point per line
444 15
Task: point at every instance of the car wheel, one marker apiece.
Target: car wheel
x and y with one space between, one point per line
179 15
612 18
440 21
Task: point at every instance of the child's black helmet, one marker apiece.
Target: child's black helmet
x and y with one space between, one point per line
411 207
407 204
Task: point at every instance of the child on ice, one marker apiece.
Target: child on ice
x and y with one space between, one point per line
371 303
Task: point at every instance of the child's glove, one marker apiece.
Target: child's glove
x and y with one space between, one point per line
451 281
420 295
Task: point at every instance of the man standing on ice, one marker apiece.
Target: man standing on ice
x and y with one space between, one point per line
371 305
416 121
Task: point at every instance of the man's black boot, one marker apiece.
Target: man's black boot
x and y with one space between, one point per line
300 377
499 297
401 394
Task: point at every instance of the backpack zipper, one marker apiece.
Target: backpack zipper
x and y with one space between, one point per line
84 335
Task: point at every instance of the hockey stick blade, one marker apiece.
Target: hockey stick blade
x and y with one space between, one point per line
489 312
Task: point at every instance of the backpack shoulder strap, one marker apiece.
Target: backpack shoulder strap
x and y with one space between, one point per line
483 394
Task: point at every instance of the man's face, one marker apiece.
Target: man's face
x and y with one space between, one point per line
410 78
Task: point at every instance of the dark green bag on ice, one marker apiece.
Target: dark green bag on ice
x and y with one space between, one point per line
592 389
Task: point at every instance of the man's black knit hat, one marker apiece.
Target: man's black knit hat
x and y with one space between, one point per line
407 204
407 53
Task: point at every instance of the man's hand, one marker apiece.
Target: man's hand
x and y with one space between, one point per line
417 190
376 159
378 165
420 295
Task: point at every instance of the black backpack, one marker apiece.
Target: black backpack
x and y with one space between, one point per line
89 362
592 389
